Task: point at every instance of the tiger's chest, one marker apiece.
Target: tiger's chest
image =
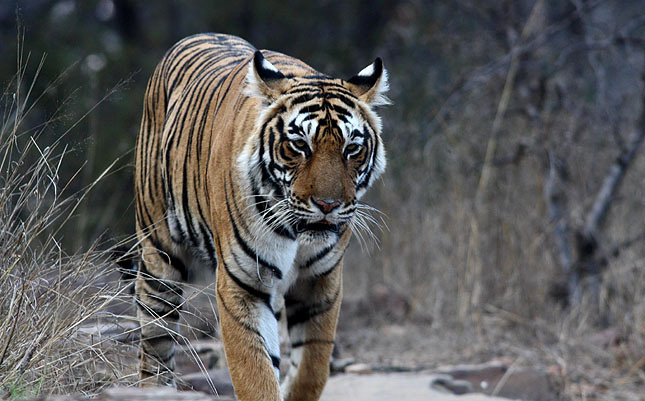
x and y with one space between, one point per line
275 264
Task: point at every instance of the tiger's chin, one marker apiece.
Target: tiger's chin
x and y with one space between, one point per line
318 232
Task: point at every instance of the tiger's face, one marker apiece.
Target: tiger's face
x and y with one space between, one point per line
318 148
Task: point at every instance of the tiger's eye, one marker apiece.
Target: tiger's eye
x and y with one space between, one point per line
351 148
300 145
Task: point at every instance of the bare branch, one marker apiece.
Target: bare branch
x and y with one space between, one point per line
484 73
617 249
613 179
554 198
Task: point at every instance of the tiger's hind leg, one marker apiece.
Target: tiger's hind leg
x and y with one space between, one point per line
159 298
312 313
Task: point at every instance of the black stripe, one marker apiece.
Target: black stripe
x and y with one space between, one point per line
145 344
302 88
267 177
331 269
338 109
161 370
262 205
220 301
316 82
158 313
275 361
312 108
157 284
297 344
366 179
318 76
317 257
311 116
197 100
304 315
343 118
154 341
239 213
208 243
172 259
263 296
342 98
307 312
245 247
307 96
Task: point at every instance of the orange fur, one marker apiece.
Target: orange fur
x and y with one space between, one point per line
251 164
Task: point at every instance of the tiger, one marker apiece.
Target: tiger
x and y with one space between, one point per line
250 164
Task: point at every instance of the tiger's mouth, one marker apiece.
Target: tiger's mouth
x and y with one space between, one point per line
317 226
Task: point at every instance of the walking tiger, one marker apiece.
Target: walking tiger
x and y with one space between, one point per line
251 164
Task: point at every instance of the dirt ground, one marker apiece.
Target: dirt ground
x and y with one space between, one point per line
380 357
393 386
599 365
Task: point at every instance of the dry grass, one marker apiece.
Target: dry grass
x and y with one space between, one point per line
477 265
46 294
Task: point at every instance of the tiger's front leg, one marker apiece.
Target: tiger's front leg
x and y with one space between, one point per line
250 335
312 314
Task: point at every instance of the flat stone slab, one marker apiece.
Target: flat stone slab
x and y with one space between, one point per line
392 386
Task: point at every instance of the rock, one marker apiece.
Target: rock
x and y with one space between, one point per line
338 365
528 384
124 330
359 369
210 354
525 384
482 376
219 378
447 384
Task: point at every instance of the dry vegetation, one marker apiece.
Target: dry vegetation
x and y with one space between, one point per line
517 229
46 294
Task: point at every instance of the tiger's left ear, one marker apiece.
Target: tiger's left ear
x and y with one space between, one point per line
263 80
371 84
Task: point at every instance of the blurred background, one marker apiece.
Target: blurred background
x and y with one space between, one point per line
514 198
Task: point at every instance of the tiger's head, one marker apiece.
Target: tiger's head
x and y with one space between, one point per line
316 149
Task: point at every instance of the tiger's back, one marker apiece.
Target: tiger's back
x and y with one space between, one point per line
183 103
250 164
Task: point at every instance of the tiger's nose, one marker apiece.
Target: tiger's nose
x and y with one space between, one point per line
326 205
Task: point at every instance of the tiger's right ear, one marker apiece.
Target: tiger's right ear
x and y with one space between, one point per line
371 84
263 80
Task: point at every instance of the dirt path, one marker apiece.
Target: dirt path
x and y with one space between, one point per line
391 386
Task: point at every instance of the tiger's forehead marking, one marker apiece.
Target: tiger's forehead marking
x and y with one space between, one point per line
324 111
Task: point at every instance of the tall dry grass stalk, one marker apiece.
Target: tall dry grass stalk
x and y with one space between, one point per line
46 294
